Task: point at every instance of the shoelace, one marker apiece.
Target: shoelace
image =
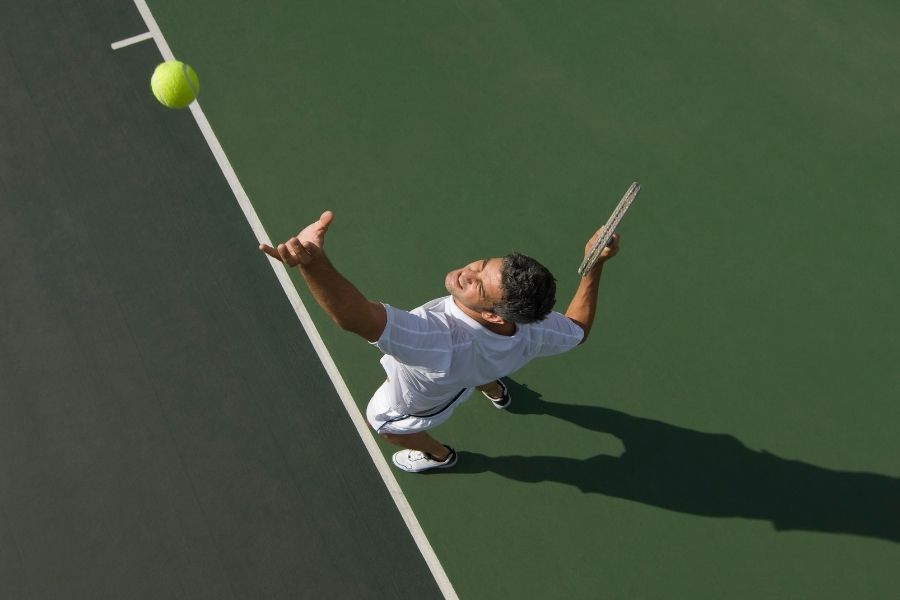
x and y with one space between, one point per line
416 455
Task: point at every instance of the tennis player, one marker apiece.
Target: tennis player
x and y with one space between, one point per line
497 317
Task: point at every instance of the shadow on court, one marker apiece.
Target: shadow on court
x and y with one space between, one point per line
713 475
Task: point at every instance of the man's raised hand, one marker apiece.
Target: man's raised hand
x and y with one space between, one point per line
305 247
611 249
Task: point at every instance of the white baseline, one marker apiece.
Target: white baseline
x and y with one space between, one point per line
431 559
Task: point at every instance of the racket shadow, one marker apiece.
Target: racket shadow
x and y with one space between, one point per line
713 475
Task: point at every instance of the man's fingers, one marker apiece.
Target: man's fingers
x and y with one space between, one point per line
294 246
294 252
305 246
612 248
270 251
285 254
301 253
291 253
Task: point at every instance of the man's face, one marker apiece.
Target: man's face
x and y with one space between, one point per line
478 286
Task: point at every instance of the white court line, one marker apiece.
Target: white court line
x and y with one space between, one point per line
362 428
132 40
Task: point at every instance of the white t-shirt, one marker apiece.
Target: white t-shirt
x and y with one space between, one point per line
435 351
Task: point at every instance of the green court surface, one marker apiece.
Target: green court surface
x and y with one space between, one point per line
730 429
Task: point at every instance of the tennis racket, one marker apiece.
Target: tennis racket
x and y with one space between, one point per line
609 229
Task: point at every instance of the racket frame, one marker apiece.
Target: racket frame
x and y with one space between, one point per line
609 229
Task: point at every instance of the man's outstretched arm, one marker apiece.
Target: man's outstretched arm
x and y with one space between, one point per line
584 303
339 298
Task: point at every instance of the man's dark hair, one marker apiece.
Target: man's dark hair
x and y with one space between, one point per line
529 290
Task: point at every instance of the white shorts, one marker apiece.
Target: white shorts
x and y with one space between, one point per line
385 419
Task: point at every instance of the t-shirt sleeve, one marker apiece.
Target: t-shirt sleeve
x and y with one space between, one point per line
559 334
420 339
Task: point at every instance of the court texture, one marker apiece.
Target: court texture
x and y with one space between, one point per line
179 419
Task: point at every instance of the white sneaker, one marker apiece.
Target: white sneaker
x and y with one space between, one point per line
414 461
505 398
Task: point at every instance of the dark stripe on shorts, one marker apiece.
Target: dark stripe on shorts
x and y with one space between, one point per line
424 415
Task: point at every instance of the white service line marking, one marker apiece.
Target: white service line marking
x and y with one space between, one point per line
132 40
362 427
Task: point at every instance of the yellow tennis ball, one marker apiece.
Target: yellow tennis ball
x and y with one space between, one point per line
175 84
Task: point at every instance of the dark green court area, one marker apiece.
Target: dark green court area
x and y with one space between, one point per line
156 388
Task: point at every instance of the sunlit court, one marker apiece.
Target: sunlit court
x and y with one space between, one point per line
322 300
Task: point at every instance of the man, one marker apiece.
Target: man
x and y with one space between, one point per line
496 319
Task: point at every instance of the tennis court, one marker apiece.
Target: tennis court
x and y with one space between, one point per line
168 428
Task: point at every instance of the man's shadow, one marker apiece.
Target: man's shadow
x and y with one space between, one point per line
712 475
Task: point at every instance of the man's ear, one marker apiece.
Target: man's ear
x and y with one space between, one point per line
492 318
